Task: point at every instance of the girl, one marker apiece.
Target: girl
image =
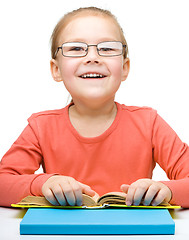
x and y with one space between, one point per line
94 145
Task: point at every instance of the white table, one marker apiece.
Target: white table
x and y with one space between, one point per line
10 222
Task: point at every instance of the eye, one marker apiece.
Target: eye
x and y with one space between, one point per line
106 49
77 49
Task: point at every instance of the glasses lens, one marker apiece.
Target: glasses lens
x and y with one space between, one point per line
110 48
74 49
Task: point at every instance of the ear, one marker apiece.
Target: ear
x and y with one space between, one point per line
55 70
126 68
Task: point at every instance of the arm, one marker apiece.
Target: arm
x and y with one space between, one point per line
173 156
17 178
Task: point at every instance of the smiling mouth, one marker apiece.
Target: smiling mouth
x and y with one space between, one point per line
92 75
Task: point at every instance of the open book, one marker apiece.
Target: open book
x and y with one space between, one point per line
112 199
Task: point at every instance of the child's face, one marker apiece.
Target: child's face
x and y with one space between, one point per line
91 30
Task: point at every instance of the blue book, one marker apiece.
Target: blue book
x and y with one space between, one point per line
97 221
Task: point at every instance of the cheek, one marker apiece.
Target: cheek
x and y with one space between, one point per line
68 67
117 69
67 70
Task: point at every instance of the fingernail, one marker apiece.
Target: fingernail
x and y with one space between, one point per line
136 204
128 203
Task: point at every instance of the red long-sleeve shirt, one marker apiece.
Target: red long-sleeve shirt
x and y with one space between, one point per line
127 151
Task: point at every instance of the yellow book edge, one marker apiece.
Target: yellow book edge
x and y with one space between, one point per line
96 207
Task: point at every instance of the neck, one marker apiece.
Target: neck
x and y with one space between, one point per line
94 110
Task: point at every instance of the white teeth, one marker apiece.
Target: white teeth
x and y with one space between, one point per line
92 75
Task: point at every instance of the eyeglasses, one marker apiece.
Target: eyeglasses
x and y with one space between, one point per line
80 49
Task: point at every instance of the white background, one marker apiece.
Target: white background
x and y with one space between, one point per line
158 39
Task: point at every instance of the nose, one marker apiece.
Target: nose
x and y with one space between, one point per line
92 55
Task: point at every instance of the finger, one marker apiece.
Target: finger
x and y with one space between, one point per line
59 195
160 197
69 194
77 191
124 188
150 194
48 194
139 194
130 195
87 189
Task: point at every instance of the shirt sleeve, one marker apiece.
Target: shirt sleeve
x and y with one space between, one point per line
17 168
173 156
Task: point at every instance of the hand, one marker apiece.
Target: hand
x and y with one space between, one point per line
62 190
146 192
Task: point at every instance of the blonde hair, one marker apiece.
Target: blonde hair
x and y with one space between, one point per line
94 11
